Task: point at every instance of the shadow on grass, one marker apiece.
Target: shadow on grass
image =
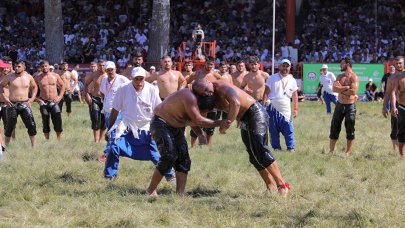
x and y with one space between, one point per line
202 192
123 190
354 218
89 156
71 178
303 220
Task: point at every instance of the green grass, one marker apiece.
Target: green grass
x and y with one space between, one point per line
60 184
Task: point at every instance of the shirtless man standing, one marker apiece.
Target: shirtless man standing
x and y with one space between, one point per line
168 80
3 106
6 71
93 69
188 70
253 124
208 74
20 84
392 79
223 71
9 69
346 85
49 99
137 61
239 74
66 76
225 75
254 83
167 128
232 69
398 95
95 101
39 71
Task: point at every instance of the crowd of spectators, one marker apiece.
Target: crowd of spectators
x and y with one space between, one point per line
368 31
114 30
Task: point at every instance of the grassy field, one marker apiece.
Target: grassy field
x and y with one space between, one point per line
61 184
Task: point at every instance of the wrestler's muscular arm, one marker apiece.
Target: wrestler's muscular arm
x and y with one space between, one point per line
266 94
75 82
152 77
182 81
387 95
87 80
217 76
232 97
244 85
337 87
266 89
202 138
192 77
196 119
394 110
353 88
33 88
3 84
37 80
59 82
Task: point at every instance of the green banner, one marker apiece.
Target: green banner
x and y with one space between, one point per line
311 74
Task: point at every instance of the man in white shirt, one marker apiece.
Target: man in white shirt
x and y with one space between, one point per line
108 88
282 86
130 137
75 78
327 80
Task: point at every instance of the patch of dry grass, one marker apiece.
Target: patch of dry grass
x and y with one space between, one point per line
61 183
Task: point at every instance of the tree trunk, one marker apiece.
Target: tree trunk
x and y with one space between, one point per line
159 34
54 41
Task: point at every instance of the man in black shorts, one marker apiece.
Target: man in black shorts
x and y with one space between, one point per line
18 101
49 99
398 95
253 124
167 128
346 85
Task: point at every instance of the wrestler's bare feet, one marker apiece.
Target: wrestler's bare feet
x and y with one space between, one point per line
152 193
272 187
284 189
347 154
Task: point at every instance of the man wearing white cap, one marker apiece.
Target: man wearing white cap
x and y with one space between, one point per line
108 88
152 69
282 87
130 136
327 80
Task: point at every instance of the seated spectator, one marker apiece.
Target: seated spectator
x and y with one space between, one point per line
301 96
371 90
